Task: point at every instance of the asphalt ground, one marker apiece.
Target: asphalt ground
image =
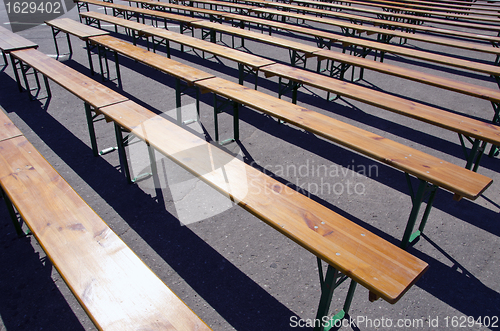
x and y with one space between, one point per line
233 270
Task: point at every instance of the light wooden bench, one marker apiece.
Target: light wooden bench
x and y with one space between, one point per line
389 25
326 39
302 77
489 17
388 17
450 4
324 125
461 10
349 250
116 289
10 41
93 94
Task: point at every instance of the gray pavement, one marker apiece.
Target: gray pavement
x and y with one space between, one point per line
233 270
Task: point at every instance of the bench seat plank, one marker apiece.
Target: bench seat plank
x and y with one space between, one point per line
468 126
113 285
70 26
280 42
80 85
379 266
11 41
460 181
159 62
7 128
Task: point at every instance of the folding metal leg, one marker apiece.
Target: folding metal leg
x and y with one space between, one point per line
5 61
329 283
219 108
121 152
13 215
91 119
102 52
284 88
496 120
475 154
179 91
417 200
244 71
55 32
25 72
297 59
15 62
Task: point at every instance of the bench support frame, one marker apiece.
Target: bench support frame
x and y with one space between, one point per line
329 283
13 215
424 189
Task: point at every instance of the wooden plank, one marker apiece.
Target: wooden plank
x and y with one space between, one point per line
444 119
382 23
462 182
10 41
159 62
80 85
212 48
421 77
379 266
115 287
115 20
426 56
280 42
7 129
77 29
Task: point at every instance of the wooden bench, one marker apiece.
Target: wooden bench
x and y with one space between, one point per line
385 270
489 17
93 94
246 62
326 39
323 126
463 126
460 10
308 78
387 17
10 41
115 288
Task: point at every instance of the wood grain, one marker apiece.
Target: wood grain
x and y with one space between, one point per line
7 128
10 41
376 264
77 29
470 127
80 85
118 291
451 177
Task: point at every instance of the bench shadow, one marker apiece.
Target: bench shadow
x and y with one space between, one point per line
197 263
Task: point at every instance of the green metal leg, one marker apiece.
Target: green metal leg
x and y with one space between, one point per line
417 200
332 280
121 152
220 109
475 154
13 215
90 124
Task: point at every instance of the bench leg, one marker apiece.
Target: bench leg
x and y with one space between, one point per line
15 62
90 124
329 283
475 154
121 152
5 62
220 108
13 215
417 199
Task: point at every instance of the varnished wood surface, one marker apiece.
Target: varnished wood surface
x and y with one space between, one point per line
463 10
451 121
202 45
372 30
10 41
479 26
119 7
456 179
159 62
280 42
477 17
380 22
7 128
80 85
81 31
411 74
377 265
118 291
